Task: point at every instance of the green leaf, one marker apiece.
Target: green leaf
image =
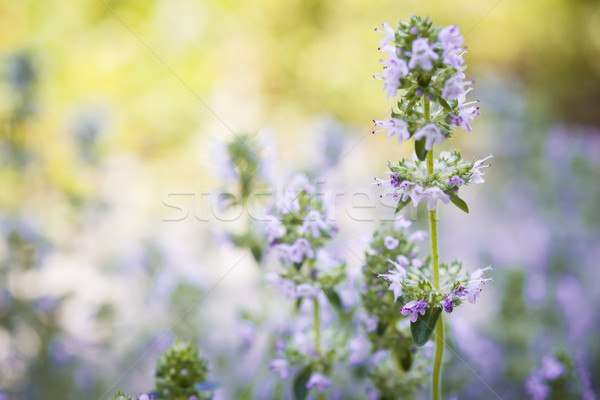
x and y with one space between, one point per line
410 104
334 299
404 356
300 381
458 202
424 326
444 103
401 205
256 253
420 149
381 327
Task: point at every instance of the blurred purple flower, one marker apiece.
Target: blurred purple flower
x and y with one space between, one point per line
280 366
551 368
578 311
318 380
536 389
313 223
358 347
390 242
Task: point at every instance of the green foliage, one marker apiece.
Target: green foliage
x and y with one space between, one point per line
422 329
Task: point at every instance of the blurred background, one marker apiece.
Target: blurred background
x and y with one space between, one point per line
111 115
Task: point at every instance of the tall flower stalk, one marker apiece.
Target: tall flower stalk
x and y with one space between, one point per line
426 63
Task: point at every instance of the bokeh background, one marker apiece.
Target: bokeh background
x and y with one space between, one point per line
111 114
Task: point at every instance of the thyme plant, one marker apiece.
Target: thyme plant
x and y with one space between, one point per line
425 65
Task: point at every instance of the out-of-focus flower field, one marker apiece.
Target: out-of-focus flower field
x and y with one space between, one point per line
115 233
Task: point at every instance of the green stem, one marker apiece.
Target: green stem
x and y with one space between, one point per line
436 375
317 322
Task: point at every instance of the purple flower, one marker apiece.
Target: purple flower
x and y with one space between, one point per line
422 54
394 69
456 180
388 32
288 202
300 249
473 289
359 349
390 242
273 229
455 87
395 278
394 179
280 366
434 194
401 222
412 190
451 41
448 303
476 176
318 380
369 321
465 116
431 133
401 262
284 253
536 389
418 236
414 308
450 38
395 127
313 222
551 368
454 59
282 286
306 290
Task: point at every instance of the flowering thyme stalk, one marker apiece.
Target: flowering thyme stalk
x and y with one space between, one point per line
436 376
426 62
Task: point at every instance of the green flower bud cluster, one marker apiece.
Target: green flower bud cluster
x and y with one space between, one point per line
181 373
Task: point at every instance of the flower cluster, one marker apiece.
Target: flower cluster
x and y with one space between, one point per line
180 374
410 182
414 286
297 232
558 378
298 224
391 251
426 62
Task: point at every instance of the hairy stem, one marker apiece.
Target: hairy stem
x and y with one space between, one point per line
439 328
